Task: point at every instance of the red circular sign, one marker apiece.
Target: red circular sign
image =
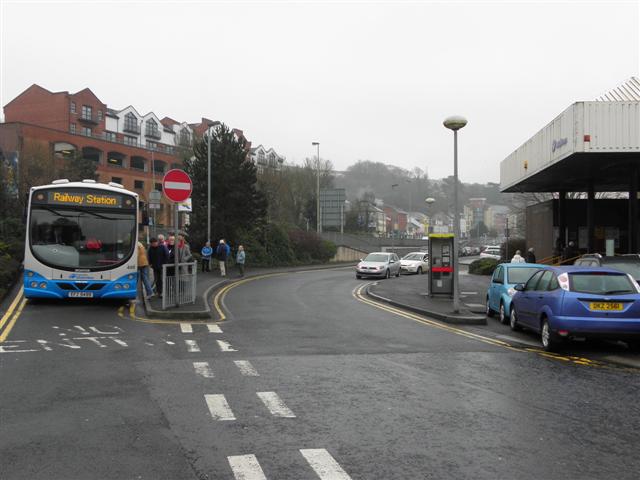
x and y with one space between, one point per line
177 185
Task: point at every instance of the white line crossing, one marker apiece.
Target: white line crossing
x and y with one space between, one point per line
275 405
225 346
213 328
246 368
324 464
219 408
246 467
192 346
186 328
203 369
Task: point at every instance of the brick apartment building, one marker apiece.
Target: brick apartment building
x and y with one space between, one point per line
129 148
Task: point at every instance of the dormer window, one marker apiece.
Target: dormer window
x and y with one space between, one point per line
131 123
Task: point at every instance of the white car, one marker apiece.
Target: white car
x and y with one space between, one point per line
491 252
415 262
378 264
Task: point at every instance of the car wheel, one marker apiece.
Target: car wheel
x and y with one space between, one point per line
513 320
419 271
549 341
502 314
398 274
388 274
489 311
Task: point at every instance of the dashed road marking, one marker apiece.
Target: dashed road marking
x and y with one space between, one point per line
324 464
219 408
203 369
246 368
275 405
213 328
186 328
225 346
246 467
192 346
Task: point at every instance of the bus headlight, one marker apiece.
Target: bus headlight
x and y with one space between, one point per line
29 274
117 286
130 277
43 285
34 284
126 286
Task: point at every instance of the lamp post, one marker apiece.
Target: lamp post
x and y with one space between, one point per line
209 185
393 225
318 222
429 201
455 123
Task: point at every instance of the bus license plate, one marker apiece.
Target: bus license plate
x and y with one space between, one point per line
604 306
81 294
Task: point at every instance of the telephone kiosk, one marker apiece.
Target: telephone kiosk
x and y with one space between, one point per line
441 264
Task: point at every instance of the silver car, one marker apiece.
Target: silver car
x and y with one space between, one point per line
415 262
379 264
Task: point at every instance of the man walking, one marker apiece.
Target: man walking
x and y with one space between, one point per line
158 255
143 270
206 253
531 256
221 255
240 258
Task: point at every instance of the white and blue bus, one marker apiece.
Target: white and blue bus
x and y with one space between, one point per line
81 241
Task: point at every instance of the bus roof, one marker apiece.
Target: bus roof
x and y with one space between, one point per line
86 184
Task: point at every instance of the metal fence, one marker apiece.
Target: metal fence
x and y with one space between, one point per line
186 277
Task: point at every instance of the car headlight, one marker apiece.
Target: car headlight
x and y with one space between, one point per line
511 292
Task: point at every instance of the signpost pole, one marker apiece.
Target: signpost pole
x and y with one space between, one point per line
176 273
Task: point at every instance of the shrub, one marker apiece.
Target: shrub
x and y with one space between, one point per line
9 269
483 266
308 247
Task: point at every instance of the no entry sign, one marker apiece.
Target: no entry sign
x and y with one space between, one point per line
176 185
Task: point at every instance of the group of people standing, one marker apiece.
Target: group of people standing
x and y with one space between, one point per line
529 258
222 253
161 252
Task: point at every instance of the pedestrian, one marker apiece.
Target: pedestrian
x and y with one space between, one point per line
158 255
569 252
240 258
143 270
221 255
206 253
184 253
517 258
228 248
161 240
531 256
171 248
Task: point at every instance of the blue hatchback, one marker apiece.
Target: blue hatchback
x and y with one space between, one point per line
505 277
566 302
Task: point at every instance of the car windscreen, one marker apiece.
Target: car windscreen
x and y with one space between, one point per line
71 238
520 275
413 256
376 257
632 268
601 283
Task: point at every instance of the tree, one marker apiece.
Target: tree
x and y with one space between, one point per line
77 168
236 203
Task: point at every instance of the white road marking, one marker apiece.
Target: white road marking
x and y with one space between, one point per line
219 408
246 368
225 346
246 467
203 369
214 328
275 404
120 342
324 464
186 328
192 346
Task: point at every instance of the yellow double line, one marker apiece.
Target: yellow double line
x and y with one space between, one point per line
358 295
13 312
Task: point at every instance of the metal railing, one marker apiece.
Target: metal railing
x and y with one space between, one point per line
185 275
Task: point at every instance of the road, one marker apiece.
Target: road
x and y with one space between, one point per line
304 379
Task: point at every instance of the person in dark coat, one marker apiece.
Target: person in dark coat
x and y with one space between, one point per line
221 255
158 256
531 256
570 252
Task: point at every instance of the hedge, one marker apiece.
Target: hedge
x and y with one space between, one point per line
483 266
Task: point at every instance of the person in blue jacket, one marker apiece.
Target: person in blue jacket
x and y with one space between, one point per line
206 253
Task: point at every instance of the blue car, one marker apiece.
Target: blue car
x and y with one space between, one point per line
505 277
567 302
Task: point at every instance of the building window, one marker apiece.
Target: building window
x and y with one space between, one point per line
152 129
169 149
185 137
130 140
159 166
87 112
152 145
72 128
117 180
131 123
110 136
86 131
159 187
73 107
99 115
138 184
137 163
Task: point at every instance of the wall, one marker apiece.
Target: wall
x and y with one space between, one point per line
348 254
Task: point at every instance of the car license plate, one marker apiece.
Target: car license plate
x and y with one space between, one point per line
603 306
81 294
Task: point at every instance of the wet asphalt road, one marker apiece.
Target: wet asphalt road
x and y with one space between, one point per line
302 381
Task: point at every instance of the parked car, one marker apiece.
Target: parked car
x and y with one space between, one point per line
501 289
379 264
491 252
626 263
578 302
415 262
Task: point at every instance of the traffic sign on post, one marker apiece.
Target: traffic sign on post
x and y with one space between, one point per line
177 185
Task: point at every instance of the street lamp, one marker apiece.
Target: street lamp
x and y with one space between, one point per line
393 226
318 222
455 123
209 185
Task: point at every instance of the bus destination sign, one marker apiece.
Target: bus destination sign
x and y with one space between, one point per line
84 198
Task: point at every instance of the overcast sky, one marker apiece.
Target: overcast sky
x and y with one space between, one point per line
368 80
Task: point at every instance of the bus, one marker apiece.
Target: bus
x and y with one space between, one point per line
81 241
